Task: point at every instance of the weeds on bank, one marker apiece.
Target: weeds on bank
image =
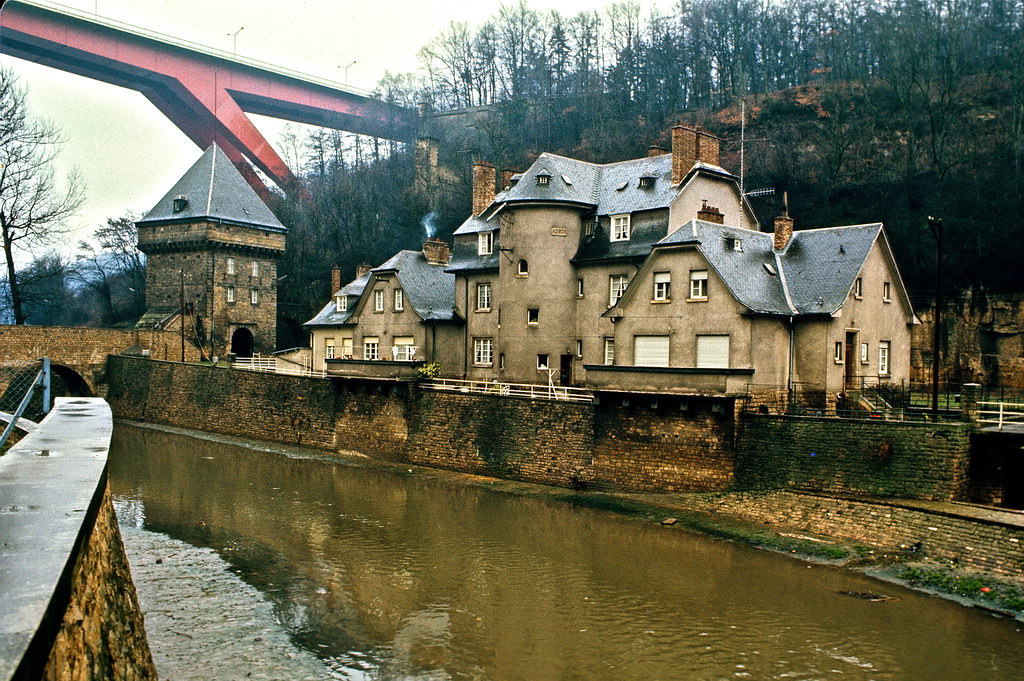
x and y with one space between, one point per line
985 591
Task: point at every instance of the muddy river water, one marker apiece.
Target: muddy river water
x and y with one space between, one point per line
377 574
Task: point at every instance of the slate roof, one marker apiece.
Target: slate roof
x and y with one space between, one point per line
466 259
812 275
429 290
217 191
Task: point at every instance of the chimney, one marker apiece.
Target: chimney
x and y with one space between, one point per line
506 178
437 252
335 279
361 270
710 214
655 150
483 186
690 145
783 231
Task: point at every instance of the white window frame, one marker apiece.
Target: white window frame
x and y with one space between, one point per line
254 296
230 293
620 227
533 316
483 352
865 357
399 300
341 304
609 351
579 288
329 348
346 348
485 243
371 347
404 349
483 297
378 300
523 268
884 358
698 285
579 349
255 268
837 355
662 286
231 265
858 288
886 292
617 285
545 364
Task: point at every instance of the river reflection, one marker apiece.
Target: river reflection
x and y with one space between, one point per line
388 576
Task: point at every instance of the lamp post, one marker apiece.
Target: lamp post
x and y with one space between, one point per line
234 41
347 67
935 224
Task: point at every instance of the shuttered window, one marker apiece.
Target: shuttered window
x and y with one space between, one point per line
712 352
650 351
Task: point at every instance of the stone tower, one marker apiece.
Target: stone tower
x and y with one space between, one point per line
212 237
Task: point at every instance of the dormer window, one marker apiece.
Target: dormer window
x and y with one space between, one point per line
733 243
543 179
179 203
340 304
620 227
485 243
646 182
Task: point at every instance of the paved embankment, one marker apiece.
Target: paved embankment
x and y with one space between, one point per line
203 622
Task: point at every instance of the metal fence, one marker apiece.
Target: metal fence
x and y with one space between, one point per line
1003 416
495 388
270 365
24 395
867 397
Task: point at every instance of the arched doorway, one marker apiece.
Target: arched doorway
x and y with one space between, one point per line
241 342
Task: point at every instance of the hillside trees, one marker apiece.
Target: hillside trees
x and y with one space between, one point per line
32 204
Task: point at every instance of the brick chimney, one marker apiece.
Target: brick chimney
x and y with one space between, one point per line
710 214
483 186
506 178
690 145
437 252
362 269
335 279
783 231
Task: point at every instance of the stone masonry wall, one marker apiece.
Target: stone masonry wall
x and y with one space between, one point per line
970 544
101 635
665 446
852 456
536 441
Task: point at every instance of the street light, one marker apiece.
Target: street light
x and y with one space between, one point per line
346 67
234 41
935 224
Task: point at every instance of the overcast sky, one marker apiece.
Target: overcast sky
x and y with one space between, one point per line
129 154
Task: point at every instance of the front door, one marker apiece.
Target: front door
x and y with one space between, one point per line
565 370
850 367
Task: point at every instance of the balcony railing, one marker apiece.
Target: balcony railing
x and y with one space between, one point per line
537 392
403 353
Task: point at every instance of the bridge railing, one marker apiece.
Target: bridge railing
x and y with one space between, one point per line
270 365
25 393
1001 414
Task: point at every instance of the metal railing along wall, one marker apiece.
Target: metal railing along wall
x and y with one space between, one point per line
494 388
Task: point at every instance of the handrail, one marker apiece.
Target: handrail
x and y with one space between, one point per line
999 415
500 389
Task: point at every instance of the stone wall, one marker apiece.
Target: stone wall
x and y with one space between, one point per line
101 635
854 456
636 443
520 439
971 544
68 608
664 444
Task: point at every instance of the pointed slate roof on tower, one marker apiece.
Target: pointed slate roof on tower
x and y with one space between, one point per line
214 189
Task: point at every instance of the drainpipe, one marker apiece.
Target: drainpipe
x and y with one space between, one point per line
465 331
789 380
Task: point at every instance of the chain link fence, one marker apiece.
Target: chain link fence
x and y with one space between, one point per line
16 378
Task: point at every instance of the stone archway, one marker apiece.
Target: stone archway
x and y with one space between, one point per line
242 342
66 382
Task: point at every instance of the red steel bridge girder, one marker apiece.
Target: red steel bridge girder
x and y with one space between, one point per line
206 96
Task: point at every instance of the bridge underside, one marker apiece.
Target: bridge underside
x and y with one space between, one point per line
206 96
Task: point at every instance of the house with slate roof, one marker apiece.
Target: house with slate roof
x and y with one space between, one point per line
391 319
652 275
213 242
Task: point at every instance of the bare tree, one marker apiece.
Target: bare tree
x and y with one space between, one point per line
32 205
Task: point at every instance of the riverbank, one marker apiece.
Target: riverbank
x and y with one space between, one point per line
776 521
